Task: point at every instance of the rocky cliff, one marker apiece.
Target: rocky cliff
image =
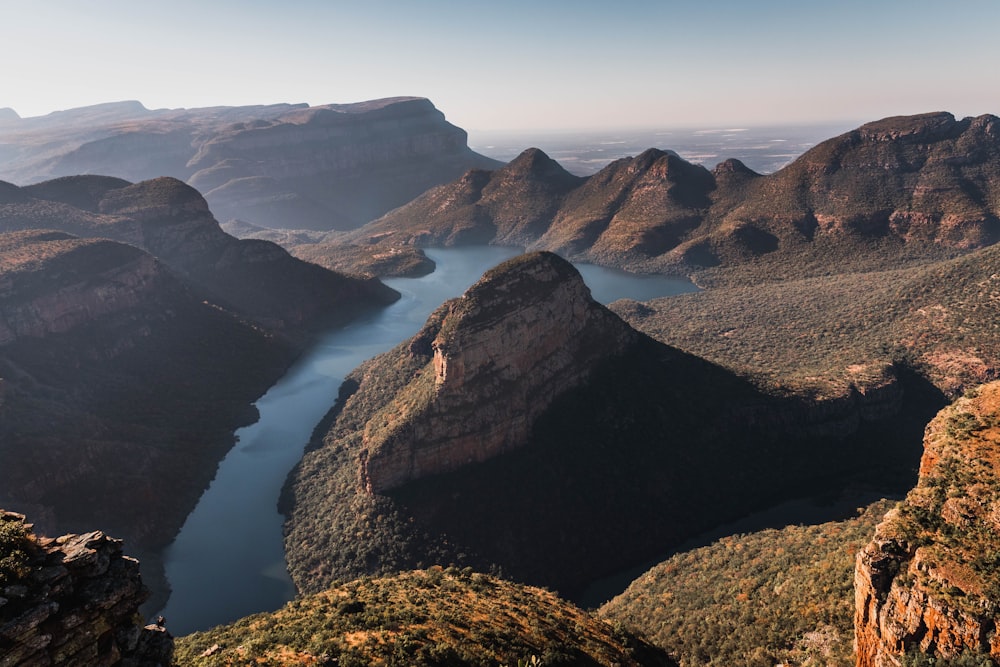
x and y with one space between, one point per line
334 166
527 332
77 603
891 191
526 427
928 582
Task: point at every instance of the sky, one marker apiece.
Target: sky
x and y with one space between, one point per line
515 64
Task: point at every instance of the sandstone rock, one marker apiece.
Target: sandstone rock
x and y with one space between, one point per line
91 619
929 581
524 334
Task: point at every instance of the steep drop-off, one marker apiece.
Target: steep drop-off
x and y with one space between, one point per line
121 386
333 166
622 450
73 600
928 582
892 191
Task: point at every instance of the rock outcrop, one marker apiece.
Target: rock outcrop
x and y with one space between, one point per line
894 190
78 605
334 166
523 335
929 582
525 427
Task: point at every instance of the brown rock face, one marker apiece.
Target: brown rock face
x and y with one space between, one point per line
929 582
79 606
502 352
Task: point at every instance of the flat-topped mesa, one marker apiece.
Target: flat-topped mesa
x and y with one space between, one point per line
502 353
928 582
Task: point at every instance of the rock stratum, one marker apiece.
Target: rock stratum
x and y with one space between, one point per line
928 582
892 191
334 166
526 428
76 603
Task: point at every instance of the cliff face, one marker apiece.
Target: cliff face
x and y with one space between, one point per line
900 188
79 605
525 394
334 166
501 353
928 581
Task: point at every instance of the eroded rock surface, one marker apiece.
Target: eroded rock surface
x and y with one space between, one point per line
929 581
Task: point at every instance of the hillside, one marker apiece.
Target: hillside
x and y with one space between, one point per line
759 599
428 617
890 193
525 410
836 335
333 166
101 348
256 279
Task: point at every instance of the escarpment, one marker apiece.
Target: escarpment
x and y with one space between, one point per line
501 354
101 348
73 600
928 582
334 166
477 443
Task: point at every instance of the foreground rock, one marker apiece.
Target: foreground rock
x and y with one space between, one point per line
334 166
77 604
929 581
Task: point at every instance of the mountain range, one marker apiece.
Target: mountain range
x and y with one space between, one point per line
334 166
896 190
527 431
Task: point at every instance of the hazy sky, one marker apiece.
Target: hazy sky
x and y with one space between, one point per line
515 64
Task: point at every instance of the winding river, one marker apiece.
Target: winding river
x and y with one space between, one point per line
228 560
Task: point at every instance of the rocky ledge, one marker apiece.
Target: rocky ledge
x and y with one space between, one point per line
928 582
77 604
501 353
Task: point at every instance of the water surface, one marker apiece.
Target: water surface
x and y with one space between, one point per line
228 560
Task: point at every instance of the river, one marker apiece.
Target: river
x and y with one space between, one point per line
228 559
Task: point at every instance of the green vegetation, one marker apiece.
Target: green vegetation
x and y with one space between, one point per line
431 617
916 658
775 596
16 544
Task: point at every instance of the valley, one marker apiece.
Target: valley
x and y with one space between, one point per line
531 428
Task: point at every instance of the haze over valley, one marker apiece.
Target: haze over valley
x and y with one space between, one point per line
527 334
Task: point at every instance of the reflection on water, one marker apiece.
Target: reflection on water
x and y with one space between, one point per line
228 560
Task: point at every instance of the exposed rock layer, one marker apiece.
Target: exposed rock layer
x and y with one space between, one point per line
522 341
79 606
928 581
